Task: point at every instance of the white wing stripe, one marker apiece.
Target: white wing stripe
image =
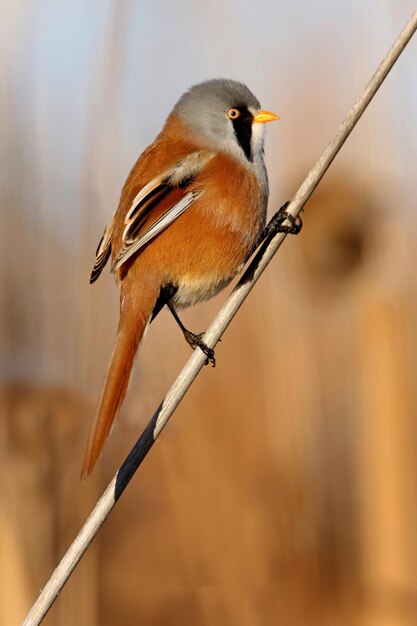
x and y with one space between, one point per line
191 164
164 221
142 194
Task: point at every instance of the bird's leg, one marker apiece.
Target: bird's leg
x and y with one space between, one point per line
276 224
195 341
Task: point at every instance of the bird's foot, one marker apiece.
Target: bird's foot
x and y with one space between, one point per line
196 341
277 224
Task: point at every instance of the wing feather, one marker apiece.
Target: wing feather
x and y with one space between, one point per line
161 223
140 228
103 251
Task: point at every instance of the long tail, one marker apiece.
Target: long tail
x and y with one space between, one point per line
132 325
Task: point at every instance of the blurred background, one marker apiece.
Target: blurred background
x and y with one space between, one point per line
284 489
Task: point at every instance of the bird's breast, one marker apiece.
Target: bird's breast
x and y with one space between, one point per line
218 233
205 247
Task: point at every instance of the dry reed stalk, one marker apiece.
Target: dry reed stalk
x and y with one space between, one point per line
212 336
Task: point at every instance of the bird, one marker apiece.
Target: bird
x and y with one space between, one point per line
191 212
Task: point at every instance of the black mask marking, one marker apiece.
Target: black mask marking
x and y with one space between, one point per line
243 130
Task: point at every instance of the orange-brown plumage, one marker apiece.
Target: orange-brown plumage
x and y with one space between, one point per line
134 313
200 205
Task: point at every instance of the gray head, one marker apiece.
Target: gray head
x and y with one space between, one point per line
226 117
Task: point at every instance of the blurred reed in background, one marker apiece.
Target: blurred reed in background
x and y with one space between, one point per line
306 513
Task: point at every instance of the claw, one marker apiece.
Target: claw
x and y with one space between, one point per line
296 223
276 225
196 341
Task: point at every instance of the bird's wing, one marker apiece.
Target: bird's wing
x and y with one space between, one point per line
103 251
144 227
154 208
159 203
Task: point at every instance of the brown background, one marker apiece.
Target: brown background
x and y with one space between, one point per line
284 489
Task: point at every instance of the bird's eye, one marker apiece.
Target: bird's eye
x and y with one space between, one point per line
233 114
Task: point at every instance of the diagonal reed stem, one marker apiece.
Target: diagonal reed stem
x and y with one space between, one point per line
196 361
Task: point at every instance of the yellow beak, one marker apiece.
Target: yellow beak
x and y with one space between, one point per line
265 116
